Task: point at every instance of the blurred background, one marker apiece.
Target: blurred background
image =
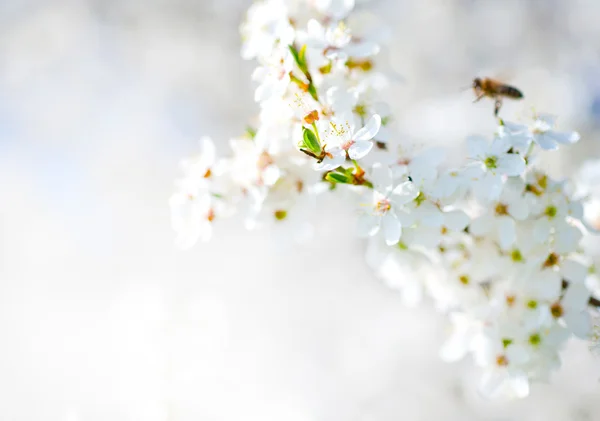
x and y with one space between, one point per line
101 318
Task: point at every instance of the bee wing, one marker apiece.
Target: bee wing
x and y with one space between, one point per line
505 76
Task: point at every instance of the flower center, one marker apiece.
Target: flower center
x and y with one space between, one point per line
347 144
382 206
491 162
501 209
420 198
210 215
501 360
280 214
535 339
557 310
551 211
552 260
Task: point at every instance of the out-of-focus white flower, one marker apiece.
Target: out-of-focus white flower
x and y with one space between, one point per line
336 9
336 41
383 209
192 214
541 132
267 24
274 75
200 166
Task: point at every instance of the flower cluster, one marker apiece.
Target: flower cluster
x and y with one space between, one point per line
496 242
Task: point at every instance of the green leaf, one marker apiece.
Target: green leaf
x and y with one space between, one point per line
302 59
313 92
336 177
310 141
295 54
250 132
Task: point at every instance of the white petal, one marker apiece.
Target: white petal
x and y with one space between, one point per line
549 284
314 28
360 149
430 215
477 146
573 271
546 142
511 164
370 129
403 193
270 175
367 225
517 354
576 298
579 323
488 188
567 239
518 209
565 138
381 176
541 230
499 146
482 225
506 232
456 220
362 49
391 229
207 149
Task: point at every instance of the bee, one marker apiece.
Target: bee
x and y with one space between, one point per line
496 90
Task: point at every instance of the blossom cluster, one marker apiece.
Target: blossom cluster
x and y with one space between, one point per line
495 242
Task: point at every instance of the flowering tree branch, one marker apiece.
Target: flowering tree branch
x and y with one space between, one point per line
495 242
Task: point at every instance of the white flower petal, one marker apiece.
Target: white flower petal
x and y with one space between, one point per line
499 146
391 229
208 150
511 164
567 239
519 209
362 49
549 284
573 271
506 232
403 193
456 220
576 298
360 149
566 138
541 230
367 225
477 146
482 225
369 130
579 323
430 215
381 176
545 142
